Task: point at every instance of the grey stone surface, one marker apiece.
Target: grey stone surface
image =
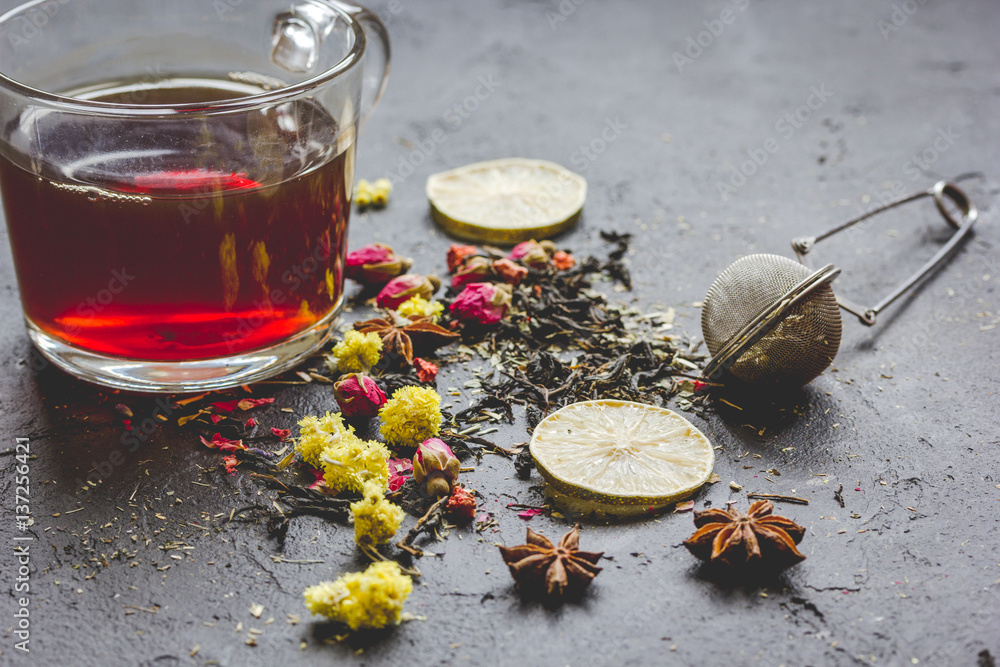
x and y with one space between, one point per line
906 421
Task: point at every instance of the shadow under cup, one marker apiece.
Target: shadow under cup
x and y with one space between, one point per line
177 180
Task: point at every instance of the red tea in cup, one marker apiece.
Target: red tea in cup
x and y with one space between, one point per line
191 262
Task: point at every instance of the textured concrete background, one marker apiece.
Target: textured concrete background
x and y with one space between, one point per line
907 573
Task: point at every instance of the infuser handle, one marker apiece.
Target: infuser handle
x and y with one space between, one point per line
868 316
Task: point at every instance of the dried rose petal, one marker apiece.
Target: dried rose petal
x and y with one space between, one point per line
400 470
251 403
282 433
563 260
510 271
426 371
482 303
319 481
456 253
461 506
222 444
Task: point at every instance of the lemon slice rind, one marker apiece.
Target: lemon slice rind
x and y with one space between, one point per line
675 459
506 201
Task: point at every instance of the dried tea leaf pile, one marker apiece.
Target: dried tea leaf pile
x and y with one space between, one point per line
563 342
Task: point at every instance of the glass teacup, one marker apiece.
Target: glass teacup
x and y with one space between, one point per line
177 180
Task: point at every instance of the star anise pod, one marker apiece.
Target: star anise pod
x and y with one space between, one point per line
402 335
541 567
757 537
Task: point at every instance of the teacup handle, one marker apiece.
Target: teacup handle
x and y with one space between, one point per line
376 71
299 32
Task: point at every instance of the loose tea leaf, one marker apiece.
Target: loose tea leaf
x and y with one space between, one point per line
563 342
524 464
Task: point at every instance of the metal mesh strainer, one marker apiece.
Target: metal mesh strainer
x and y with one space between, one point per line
770 320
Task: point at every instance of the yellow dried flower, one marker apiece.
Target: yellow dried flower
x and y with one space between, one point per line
370 599
351 462
376 519
380 191
412 415
419 307
363 194
318 433
357 352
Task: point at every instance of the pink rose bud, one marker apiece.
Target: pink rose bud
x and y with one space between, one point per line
474 270
375 264
358 395
482 303
435 467
510 271
532 253
457 253
406 286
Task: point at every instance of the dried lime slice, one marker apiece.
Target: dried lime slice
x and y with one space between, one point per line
620 458
506 201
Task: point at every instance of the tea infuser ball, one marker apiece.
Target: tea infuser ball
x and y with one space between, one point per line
769 320
778 320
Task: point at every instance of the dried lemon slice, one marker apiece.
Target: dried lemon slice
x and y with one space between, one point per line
506 201
620 458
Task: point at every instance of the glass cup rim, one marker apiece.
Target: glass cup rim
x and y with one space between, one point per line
243 103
